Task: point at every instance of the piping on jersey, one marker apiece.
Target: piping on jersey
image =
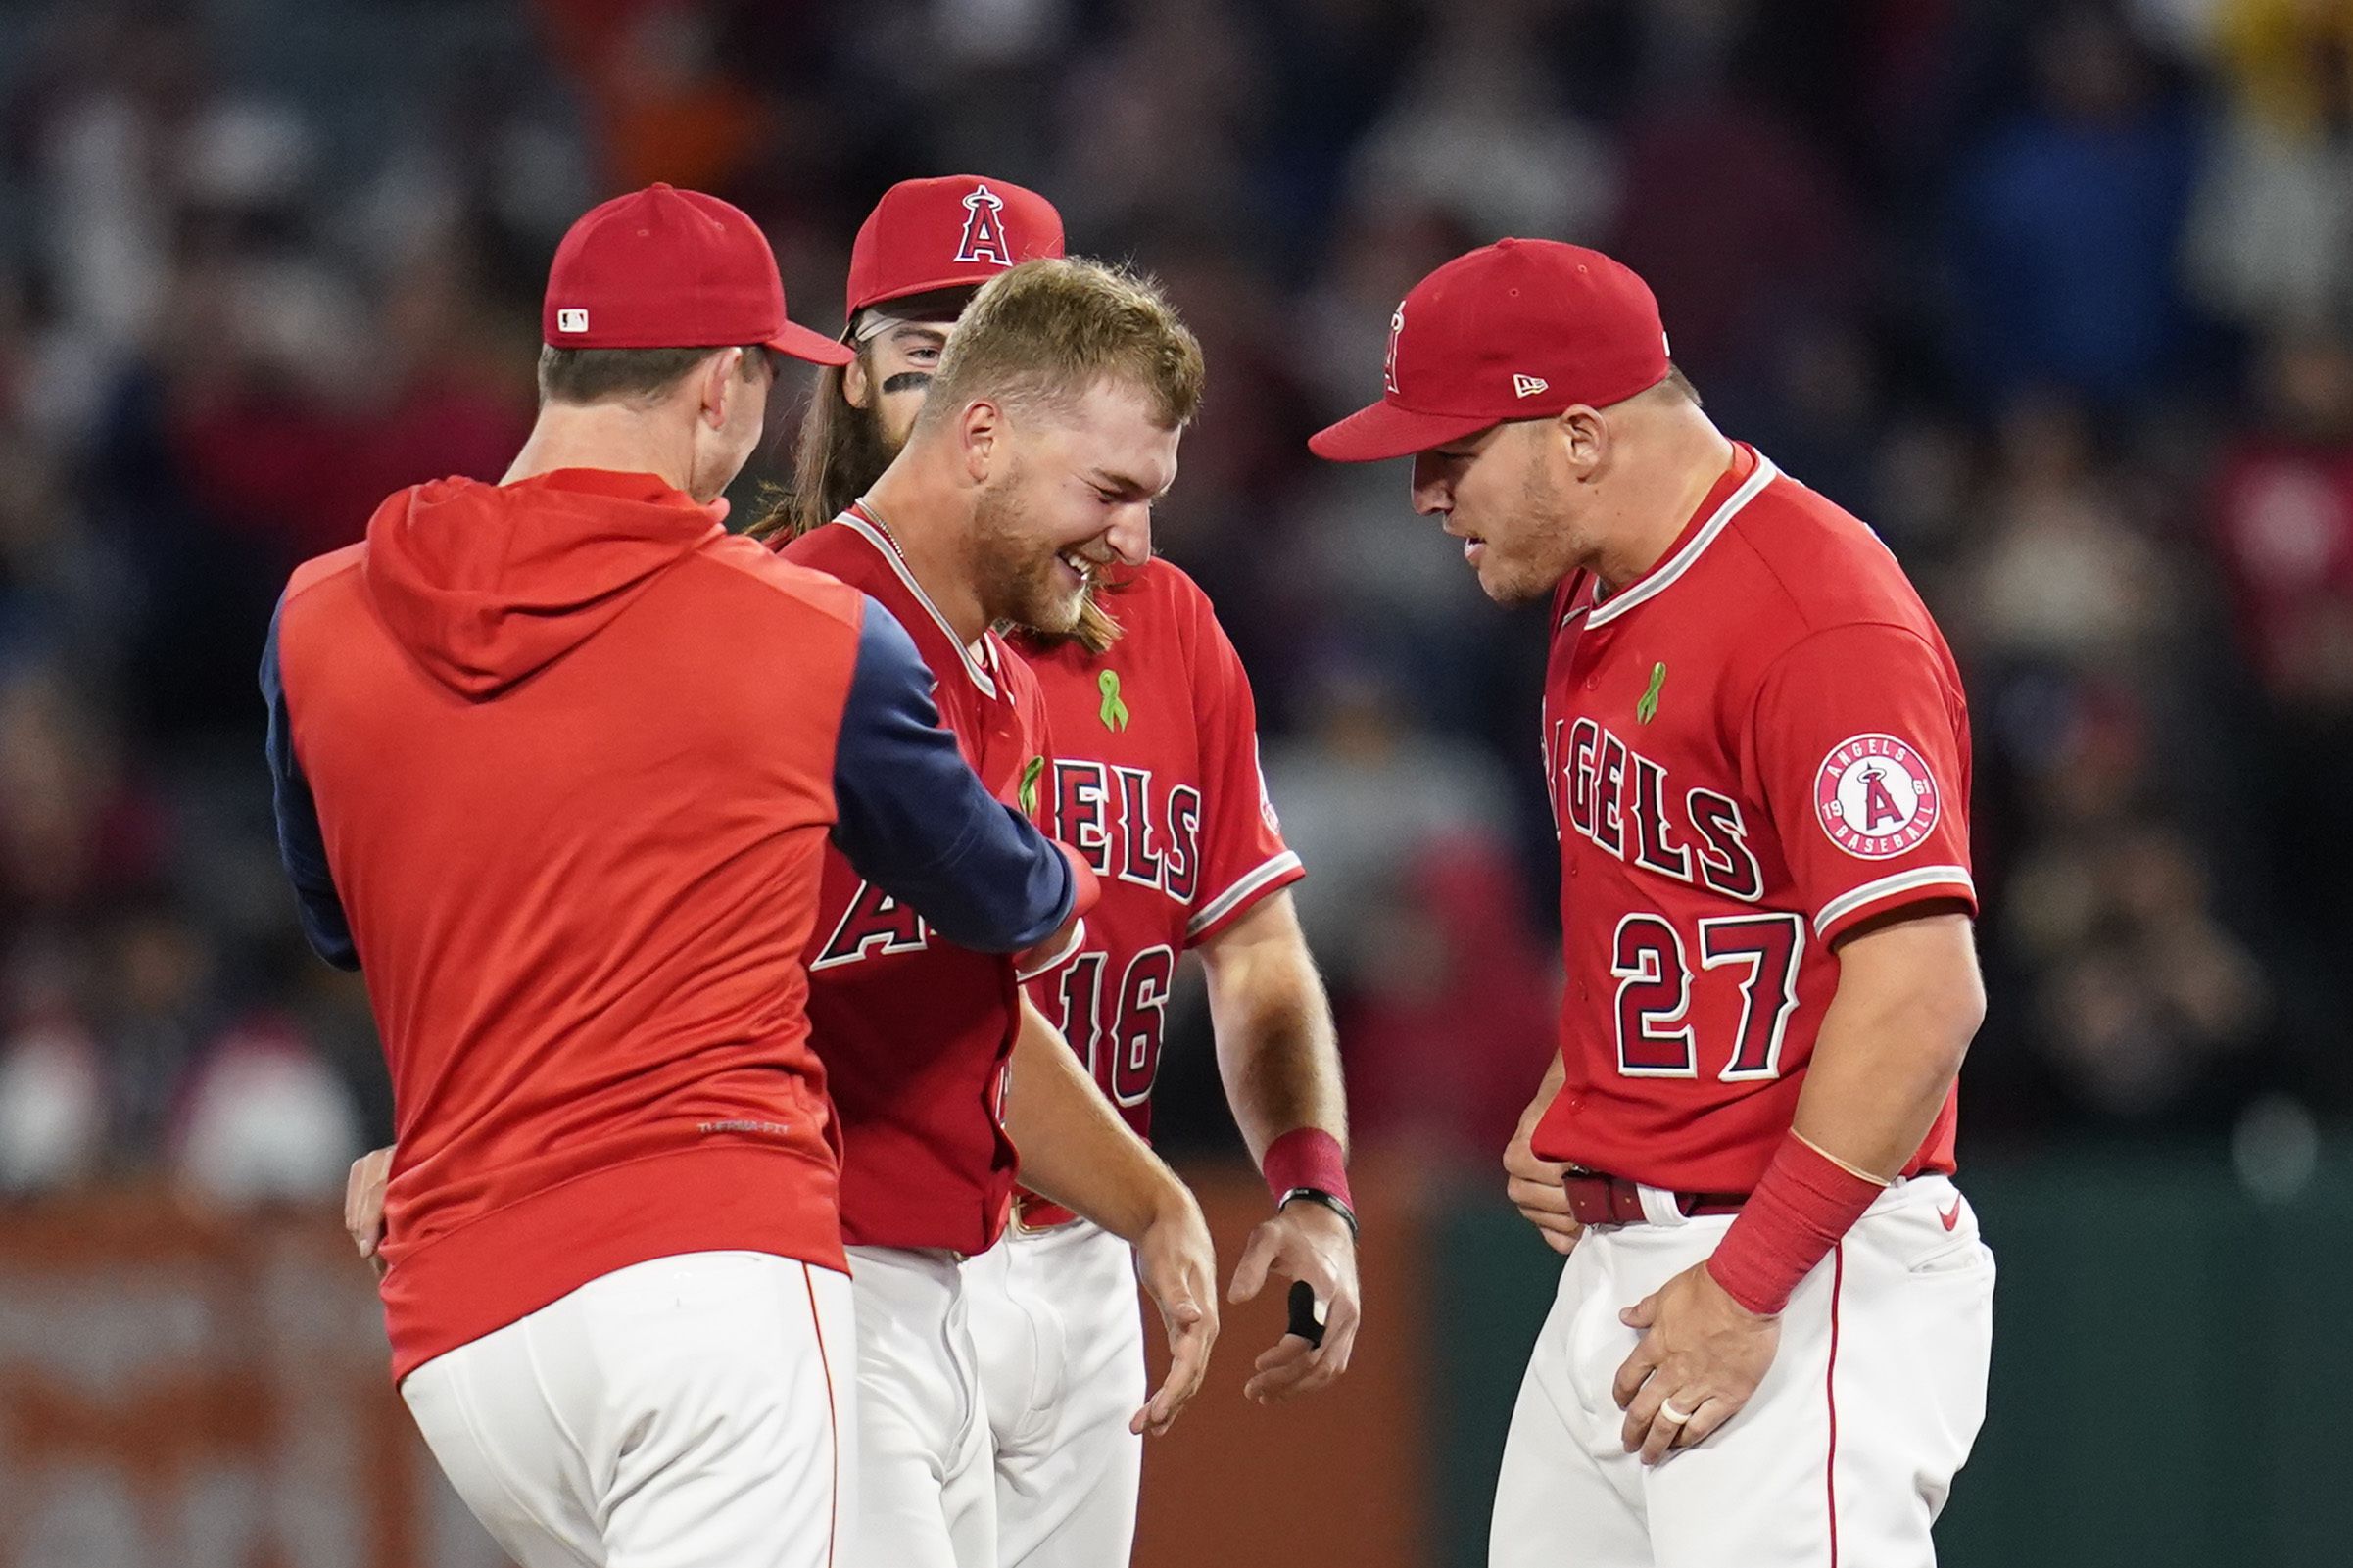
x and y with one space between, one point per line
1657 582
1250 882
1903 881
889 553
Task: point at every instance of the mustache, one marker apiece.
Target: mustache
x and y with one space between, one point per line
908 381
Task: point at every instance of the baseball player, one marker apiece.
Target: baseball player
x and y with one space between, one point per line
1770 1341
1051 427
536 777
1155 773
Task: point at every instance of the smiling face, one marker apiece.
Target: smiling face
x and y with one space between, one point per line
1501 494
1071 491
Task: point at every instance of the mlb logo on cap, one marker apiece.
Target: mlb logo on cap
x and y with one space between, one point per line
571 320
1518 330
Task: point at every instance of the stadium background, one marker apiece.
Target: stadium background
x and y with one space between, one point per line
2056 295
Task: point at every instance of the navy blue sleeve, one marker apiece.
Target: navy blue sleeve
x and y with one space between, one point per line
301 845
917 821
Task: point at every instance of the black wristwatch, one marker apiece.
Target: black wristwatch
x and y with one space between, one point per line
1329 1200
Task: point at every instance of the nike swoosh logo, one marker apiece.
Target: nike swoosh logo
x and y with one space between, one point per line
1951 1216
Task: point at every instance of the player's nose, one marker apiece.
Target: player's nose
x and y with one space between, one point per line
1130 534
1432 495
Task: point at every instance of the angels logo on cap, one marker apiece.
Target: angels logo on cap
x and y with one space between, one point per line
984 237
1397 325
991 224
1876 797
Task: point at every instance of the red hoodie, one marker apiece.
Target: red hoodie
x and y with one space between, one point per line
557 764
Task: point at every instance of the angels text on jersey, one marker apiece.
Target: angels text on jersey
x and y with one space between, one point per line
1121 823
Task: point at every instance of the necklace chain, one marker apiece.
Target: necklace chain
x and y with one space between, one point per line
889 538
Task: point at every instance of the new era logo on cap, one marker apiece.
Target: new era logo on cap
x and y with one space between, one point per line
1528 386
571 320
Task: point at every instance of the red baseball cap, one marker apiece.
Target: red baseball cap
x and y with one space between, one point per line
664 268
1517 330
955 231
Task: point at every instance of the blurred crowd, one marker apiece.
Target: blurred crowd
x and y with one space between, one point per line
2056 295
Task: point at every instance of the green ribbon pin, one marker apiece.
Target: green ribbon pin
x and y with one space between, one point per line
1115 712
1029 790
1648 708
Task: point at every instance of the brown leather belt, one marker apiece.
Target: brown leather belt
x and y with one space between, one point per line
1032 1213
1599 1200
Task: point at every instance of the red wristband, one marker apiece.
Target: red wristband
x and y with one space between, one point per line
1307 1157
1801 1208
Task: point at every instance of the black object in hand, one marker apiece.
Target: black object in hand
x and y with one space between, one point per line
1304 1321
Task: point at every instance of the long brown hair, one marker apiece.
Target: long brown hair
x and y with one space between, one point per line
842 450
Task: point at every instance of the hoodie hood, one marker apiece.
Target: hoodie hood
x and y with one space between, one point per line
487 584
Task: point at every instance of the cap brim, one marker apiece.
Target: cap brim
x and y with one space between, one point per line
1384 430
815 347
969 282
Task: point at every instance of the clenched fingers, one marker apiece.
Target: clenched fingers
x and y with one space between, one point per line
1532 1197
1521 1160
1546 1208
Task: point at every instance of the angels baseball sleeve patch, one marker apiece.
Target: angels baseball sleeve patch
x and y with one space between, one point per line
1875 796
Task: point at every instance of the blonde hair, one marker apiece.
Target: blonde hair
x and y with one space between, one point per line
1040 335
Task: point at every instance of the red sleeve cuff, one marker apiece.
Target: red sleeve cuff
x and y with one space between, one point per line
1266 878
1919 884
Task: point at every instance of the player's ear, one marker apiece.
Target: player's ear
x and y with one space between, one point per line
857 386
720 379
1582 436
981 432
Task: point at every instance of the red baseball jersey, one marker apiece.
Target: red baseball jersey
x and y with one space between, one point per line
1756 745
1156 782
915 1032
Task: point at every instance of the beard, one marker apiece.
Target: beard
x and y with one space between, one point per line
1019 576
1544 548
863 449
1509 582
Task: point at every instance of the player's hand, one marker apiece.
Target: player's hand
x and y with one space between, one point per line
1534 1185
363 1203
1702 1351
1178 1267
1303 1241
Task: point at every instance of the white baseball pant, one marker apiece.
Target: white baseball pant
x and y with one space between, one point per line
692 1411
1060 1330
926 1496
1845 1454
